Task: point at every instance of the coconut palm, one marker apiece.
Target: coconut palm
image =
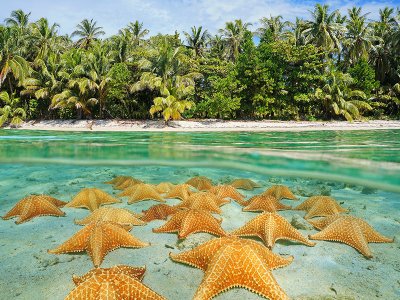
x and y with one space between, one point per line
137 31
197 39
338 99
43 37
273 26
88 32
11 61
322 30
18 19
11 110
233 34
297 32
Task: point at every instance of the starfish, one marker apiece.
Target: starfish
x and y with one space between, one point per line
349 230
158 212
99 238
244 184
320 206
190 221
35 206
271 227
180 191
117 215
203 200
201 183
264 203
119 282
118 180
227 191
91 198
127 183
280 192
164 187
233 262
145 192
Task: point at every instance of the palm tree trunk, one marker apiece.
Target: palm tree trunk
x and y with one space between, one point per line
10 85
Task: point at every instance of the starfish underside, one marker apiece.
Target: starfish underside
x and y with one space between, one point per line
320 206
349 230
159 212
280 192
35 206
264 203
271 227
120 282
91 198
117 215
233 262
99 238
186 222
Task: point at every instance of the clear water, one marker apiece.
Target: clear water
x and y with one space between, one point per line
359 168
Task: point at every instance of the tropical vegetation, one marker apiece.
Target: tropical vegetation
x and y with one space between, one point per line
328 66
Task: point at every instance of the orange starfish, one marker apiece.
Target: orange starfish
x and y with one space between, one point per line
145 192
118 180
349 230
320 206
227 191
280 192
127 183
164 187
35 206
99 238
271 227
180 191
158 212
244 184
201 183
264 203
91 198
203 200
190 221
120 282
233 262
117 215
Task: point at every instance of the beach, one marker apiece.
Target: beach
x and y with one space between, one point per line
205 125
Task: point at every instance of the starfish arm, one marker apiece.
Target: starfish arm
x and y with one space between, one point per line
87 290
287 231
76 243
130 288
273 261
248 229
39 208
172 225
198 221
345 232
16 210
242 268
372 235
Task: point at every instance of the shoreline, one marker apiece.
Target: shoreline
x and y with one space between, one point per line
207 125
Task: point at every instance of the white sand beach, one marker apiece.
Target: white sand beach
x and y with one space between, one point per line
205 125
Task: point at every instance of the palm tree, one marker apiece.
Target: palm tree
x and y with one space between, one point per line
11 61
233 33
43 37
296 35
18 19
197 39
11 110
338 99
359 36
217 46
322 29
88 31
273 26
137 31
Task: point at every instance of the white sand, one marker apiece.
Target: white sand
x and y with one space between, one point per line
326 271
205 125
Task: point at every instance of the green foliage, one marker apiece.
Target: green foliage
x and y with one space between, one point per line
364 77
11 111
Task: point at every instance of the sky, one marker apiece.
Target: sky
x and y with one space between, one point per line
166 16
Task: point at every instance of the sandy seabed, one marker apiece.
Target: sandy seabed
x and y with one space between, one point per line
326 271
205 125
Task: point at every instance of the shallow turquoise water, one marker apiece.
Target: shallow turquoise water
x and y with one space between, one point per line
361 169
